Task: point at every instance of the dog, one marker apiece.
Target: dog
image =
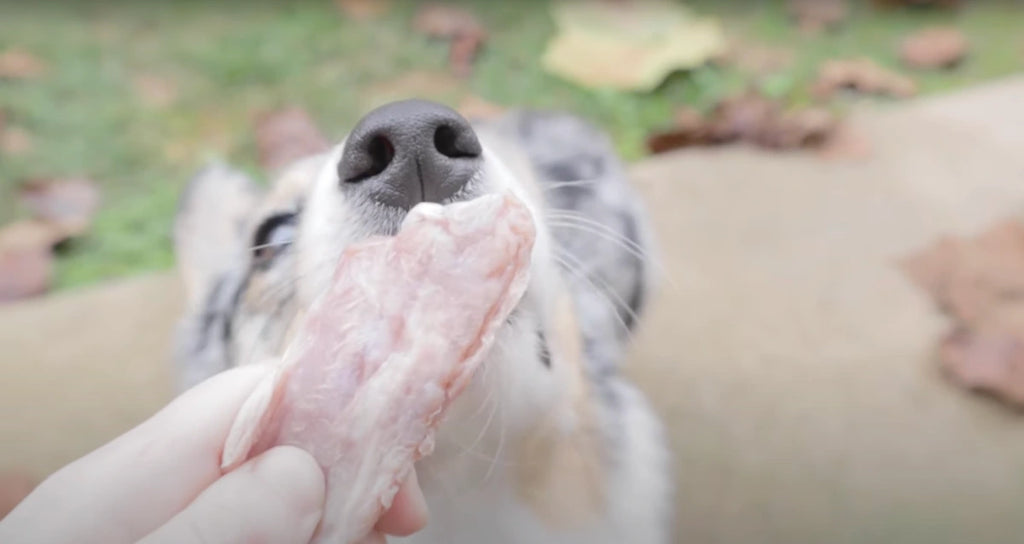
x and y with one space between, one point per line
549 443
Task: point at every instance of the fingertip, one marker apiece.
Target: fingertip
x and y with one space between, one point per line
276 497
408 513
295 477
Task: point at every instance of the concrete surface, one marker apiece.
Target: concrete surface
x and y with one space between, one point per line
787 354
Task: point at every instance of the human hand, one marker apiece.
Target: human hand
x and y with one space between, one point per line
162 482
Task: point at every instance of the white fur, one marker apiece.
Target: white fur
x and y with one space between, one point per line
469 480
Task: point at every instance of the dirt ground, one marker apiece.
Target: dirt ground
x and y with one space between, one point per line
785 350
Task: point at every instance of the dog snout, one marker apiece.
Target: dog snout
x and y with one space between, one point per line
409 152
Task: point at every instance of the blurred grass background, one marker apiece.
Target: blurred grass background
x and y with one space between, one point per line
225 62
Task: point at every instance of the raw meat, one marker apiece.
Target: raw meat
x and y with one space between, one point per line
382 354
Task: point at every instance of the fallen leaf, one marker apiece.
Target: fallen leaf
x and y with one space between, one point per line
742 117
803 128
466 34
14 486
18 63
29 234
285 136
155 90
15 141
916 3
628 45
363 10
939 47
979 283
67 203
473 107
439 20
861 75
987 362
845 144
25 273
750 117
815 16
462 53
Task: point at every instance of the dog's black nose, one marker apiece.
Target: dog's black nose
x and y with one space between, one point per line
409 152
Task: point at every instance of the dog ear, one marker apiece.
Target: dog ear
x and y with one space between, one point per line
211 228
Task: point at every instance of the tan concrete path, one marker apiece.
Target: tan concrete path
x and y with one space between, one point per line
787 353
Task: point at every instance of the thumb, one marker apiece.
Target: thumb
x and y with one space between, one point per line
276 497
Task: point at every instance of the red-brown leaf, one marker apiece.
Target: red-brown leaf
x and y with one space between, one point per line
25 273
814 16
439 20
16 63
979 283
287 135
466 34
15 141
363 10
931 48
67 203
861 75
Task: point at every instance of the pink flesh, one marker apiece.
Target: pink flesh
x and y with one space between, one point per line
382 354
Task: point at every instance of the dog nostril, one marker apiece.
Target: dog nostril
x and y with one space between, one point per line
381 152
454 144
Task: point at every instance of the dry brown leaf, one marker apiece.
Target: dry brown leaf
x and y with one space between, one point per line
14 486
689 128
805 128
743 117
979 283
154 90
751 118
968 278
16 63
940 47
285 136
25 273
815 16
67 203
363 10
465 32
905 3
29 234
987 362
473 107
462 53
845 144
861 75
15 141
440 20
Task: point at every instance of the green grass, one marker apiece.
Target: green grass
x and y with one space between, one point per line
230 60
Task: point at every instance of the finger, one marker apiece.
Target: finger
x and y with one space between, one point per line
276 497
408 513
133 484
373 538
